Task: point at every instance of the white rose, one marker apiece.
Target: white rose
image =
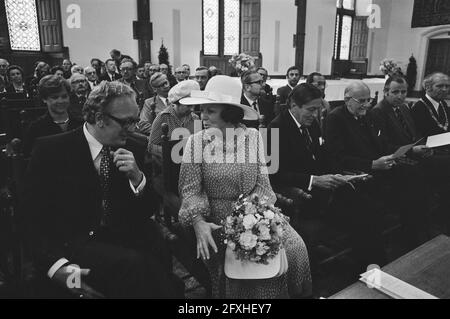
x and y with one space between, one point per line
232 245
249 221
264 232
248 240
269 214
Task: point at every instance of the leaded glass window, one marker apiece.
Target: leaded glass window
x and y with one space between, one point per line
346 37
231 22
23 25
344 25
211 27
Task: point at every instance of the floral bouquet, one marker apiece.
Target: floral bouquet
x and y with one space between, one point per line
242 62
254 230
389 67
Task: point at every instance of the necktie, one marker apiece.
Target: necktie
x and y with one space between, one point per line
105 182
255 106
402 121
442 115
308 141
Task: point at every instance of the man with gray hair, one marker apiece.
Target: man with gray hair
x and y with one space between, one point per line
356 144
91 75
153 106
90 203
79 94
431 113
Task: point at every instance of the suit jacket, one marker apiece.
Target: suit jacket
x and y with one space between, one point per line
284 92
105 77
76 105
265 108
44 126
391 127
63 201
297 162
142 90
423 120
146 118
351 144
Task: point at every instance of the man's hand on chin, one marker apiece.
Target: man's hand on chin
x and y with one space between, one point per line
126 163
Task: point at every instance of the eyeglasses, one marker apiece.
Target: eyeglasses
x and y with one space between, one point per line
260 82
126 124
362 101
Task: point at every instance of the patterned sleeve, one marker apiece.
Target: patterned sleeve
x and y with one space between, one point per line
262 187
156 131
194 201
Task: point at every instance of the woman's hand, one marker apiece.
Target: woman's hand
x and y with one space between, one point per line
203 232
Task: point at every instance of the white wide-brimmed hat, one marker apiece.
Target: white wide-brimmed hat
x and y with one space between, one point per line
224 90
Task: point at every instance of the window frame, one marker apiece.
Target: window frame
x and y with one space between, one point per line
221 28
340 13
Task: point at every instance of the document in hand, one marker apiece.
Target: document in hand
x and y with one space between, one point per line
438 140
393 287
403 150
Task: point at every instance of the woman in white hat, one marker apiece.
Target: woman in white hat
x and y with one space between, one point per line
216 170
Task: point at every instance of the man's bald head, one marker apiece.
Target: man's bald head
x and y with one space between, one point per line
357 98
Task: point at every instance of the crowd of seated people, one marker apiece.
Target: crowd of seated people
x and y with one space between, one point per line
336 163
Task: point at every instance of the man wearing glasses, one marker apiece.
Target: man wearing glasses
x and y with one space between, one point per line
355 143
252 95
90 203
155 105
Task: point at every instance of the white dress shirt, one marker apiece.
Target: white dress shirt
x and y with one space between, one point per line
434 102
251 102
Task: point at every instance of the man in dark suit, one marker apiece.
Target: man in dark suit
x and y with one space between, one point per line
111 72
292 76
253 96
304 165
128 72
79 93
431 113
398 127
89 203
394 117
54 91
356 143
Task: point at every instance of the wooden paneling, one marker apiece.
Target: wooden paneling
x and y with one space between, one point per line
250 23
438 56
360 38
50 25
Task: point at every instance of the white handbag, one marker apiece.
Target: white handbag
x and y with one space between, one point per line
238 269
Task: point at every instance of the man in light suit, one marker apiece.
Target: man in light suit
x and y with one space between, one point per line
88 203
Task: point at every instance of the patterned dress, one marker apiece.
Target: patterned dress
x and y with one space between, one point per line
213 175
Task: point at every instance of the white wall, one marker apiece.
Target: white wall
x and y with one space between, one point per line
397 40
319 13
162 17
105 25
285 12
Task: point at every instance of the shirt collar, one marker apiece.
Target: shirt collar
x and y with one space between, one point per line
295 120
250 102
94 146
163 99
292 88
433 101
